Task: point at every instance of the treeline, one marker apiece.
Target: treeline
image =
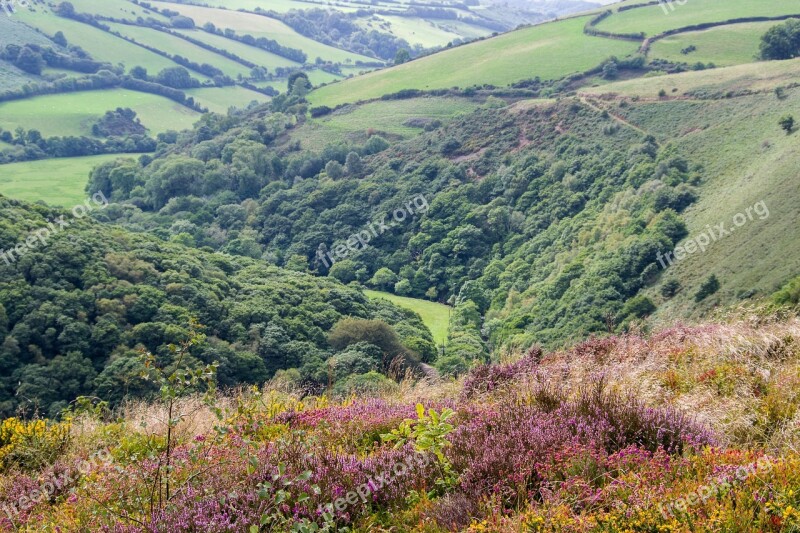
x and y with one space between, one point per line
32 58
30 145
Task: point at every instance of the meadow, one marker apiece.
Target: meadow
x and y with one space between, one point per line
652 20
58 182
75 113
436 316
734 44
549 51
384 117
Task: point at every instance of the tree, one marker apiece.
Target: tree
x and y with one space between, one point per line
300 87
293 77
350 331
182 22
402 57
59 39
787 123
610 70
709 287
334 170
383 279
30 61
140 73
353 165
781 41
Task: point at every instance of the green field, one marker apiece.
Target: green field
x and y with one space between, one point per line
258 26
436 316
55 181
733 44
74 113
425 32
250 53
100 45
176 46
384 117
13 31
652 20
219 99
120 9
549 51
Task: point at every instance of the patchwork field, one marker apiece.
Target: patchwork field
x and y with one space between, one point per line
177 46
58 182
74 113
249 53
100 45
549 51
436 316
652 19
258 26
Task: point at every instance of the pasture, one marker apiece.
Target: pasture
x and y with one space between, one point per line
74 113
60 182
549 51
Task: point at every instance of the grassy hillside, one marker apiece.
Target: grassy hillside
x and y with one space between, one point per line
549 51
59 182
258 26
748 159
652 20
435 316
383 117
74 113
733 44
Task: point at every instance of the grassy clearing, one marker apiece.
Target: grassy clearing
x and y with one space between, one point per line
652 20
258 26
11 77
436 316
281 6
100 45
177 46
219 99
55 181
734 44
385 117
74 113
548 50
250 53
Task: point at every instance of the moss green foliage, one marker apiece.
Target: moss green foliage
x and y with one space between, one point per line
76 308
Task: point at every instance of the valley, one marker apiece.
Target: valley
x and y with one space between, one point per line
480 266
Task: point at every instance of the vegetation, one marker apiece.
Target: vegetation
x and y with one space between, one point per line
503 449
